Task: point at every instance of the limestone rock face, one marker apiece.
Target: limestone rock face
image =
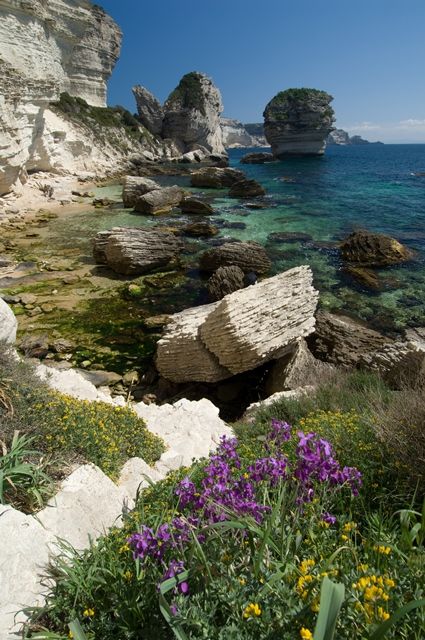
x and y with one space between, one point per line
298 369
343 341
150 110
244 330
135 187
224 281
181 356
8 323
234 134
45 49
159 200
191 430
216 177
87 504
373 249
192 114
24 555
248 256
132 251
298 121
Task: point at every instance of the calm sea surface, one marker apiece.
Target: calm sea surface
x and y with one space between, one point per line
372 187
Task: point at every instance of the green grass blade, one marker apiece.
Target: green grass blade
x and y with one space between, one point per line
164 588
331 600
385 626
77 630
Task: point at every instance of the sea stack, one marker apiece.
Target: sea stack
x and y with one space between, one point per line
298 121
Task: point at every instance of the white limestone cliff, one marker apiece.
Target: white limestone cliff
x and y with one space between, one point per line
47 48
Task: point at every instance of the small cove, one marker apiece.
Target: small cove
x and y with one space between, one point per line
324 199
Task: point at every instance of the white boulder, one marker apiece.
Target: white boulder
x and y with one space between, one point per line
8 323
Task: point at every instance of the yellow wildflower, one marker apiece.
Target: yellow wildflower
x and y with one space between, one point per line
306 565
382 549
88 613
306 634
252 610
383 615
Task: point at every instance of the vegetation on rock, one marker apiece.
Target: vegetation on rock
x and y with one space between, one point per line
239 545
188 94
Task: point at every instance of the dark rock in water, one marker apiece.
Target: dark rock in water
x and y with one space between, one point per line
249 256
298 121
136 251
159 200
134 187
103 202
343 341
193 205
149 109
225 280
215 177
246 189
373 249
289 236
250 278
257 205
257 158
233 225
365 277
199 229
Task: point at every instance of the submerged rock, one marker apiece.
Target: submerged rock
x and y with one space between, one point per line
248 256
243 331
131 251
289 236
373 249
298 121
134 187
246 189
159 200
216 177
224 281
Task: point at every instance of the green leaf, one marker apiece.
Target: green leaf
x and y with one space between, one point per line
164 588
77 630
385 626
331 600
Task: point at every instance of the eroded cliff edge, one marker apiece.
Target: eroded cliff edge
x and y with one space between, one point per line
47 48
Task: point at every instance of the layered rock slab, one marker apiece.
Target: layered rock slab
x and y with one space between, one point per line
248 256
259 323
134 187
181 356
246 329
159 200
136 251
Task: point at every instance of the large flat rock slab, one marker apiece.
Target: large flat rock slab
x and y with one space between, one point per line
260 323
23 557
87 504
182 356
191 429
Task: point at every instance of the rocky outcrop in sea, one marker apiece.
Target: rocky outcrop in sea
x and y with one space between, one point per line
236 134
342 138
298 121
190 115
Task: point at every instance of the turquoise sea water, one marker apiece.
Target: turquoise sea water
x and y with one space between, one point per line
371 187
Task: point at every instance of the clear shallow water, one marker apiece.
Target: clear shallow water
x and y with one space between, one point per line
372 187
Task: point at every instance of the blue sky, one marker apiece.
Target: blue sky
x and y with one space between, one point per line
369 54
